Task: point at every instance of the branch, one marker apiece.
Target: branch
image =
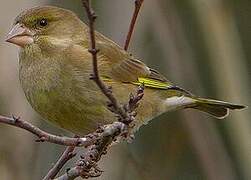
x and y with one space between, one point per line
96 142
65 157
47 137
137 7
87 167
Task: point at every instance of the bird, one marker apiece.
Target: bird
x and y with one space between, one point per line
55 67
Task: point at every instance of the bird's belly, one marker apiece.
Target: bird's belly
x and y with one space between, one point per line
79 115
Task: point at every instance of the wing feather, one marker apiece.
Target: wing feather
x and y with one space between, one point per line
115 64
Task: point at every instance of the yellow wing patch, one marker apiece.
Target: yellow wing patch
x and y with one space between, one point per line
147 82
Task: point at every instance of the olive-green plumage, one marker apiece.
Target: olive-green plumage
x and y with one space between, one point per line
55 70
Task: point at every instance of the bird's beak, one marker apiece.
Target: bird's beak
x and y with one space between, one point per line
20 35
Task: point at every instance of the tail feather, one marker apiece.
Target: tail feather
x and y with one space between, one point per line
218 109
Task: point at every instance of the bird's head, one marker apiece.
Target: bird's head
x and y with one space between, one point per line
42 22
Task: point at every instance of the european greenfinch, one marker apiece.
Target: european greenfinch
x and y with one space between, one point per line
55 68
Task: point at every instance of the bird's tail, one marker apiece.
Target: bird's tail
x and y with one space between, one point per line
218 109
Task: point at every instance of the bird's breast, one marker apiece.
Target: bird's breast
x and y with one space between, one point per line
62 95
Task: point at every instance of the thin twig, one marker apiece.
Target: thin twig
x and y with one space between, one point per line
138 4
64 158
44 136
95 76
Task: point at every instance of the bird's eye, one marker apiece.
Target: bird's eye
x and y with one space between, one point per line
43 22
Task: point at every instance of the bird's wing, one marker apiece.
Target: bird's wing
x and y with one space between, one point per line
121 66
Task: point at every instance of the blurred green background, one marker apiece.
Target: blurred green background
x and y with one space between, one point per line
201 45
